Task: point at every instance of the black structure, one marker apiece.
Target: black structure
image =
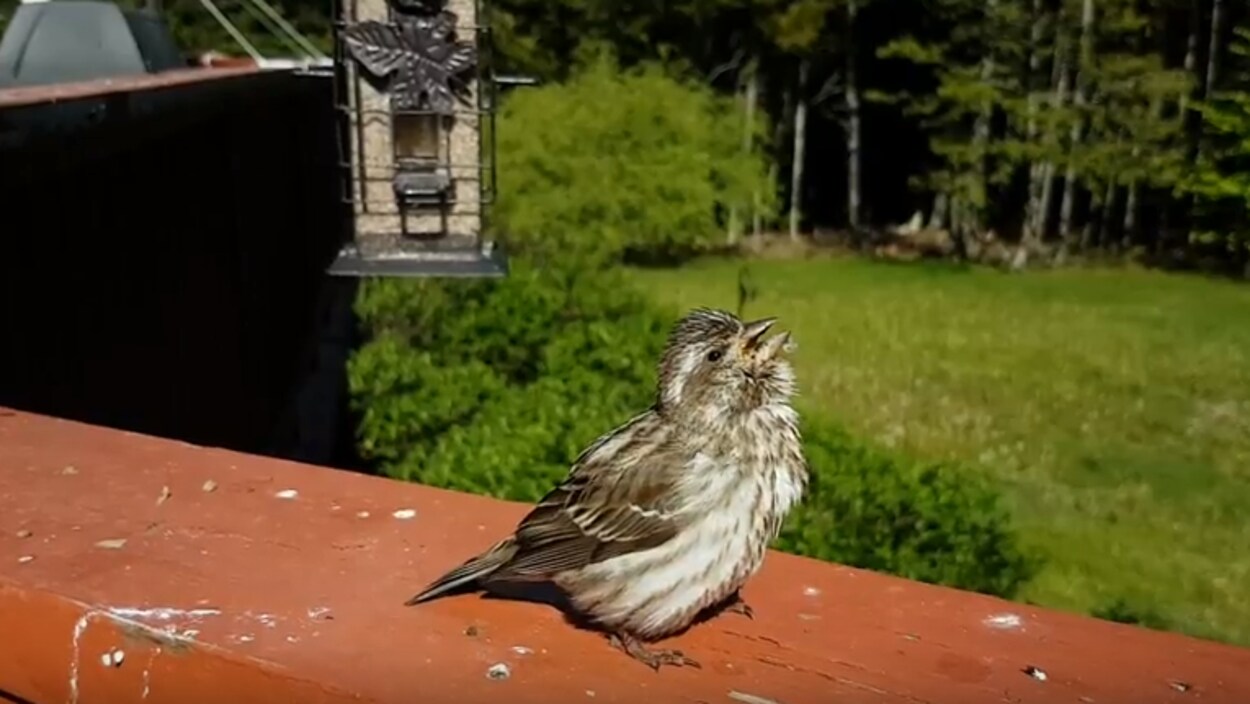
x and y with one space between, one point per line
164 263
419 164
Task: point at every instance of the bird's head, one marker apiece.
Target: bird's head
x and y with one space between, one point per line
715 363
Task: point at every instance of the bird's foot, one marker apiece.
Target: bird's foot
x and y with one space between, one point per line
738 606
651 658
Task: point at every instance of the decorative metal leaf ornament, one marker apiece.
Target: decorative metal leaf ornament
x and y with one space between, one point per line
422 54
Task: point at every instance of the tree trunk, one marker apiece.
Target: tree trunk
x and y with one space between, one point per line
748 132
1133 201
1068 204
1104 215
1189 120
1210 83
1128 234
1191 53
757 217
1079 100
1030 235
1095 216
853 123
1213 52
1130 216
1062 80
937 217
749 98
779 132
731 225
800 138
981 128
957 217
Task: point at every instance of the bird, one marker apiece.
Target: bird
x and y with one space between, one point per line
665 518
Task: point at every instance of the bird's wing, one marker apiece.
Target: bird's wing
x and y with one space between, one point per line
594 515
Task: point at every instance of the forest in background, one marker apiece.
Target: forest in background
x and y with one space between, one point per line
1020 129
1065 126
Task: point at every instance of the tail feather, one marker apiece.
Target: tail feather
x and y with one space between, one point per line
471 571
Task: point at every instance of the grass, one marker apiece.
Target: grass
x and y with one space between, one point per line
1113 406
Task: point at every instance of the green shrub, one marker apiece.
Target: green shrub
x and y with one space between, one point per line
494 387
616 160
1122 610
931 523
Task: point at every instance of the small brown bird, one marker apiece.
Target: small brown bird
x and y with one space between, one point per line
666 517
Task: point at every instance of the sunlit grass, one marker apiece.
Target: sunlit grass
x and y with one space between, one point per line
1113 406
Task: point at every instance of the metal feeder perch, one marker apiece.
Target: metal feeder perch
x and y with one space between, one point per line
416 138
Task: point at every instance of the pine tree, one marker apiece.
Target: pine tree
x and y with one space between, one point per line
975 83
1221 181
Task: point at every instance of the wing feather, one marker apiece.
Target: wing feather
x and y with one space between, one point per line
599 512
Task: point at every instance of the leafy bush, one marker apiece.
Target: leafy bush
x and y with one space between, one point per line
494 387
612 160
931 523
1121 610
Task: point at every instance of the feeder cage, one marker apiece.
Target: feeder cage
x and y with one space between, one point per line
416 97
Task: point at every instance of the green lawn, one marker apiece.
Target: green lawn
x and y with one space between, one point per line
1112 405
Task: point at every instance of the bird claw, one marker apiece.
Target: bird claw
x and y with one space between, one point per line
741 608
655 659
736 605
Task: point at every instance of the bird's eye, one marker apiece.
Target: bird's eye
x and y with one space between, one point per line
715 355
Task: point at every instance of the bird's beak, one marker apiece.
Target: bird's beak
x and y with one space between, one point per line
754 332
774 346
754 343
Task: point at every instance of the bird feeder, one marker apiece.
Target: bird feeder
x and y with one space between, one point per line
416 101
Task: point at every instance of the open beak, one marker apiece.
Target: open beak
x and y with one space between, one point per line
754 332
775 345
753 339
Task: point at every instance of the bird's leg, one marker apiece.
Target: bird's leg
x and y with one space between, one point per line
735 605
651 658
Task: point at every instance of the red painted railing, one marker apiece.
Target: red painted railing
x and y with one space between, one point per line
136 569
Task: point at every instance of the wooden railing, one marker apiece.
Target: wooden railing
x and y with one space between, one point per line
137 569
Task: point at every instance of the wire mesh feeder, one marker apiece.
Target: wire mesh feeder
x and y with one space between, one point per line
415 95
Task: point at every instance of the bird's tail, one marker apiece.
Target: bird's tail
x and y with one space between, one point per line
474 569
